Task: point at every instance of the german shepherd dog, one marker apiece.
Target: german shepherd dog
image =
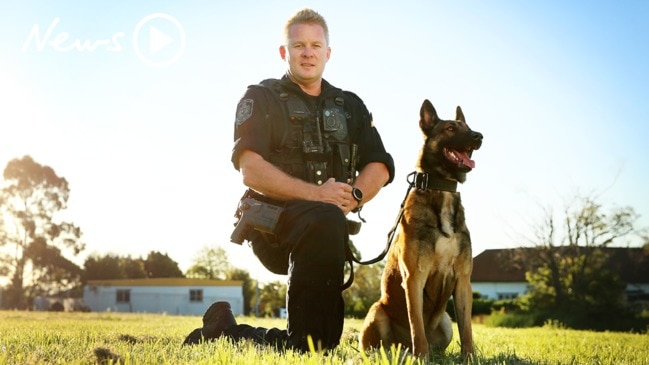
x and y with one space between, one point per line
430 257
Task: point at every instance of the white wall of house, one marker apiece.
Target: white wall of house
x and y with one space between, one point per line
493 290
635 287
637 293
160 299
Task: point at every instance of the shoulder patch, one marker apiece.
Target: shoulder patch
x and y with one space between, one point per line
244 111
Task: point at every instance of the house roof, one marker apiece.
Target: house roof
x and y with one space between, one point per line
632 264
492 266
165 282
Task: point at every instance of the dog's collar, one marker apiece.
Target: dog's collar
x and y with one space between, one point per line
423 181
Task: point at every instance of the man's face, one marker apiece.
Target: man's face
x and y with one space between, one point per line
307 53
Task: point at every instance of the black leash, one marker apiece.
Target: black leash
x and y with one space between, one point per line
420 180
381 256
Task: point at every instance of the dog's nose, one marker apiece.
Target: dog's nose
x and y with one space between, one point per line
477 136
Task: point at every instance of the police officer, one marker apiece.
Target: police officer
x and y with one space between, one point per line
311 149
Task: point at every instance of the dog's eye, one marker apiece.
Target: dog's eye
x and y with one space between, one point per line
450 128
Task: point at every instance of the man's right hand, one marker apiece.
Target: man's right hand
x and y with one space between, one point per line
265 178
338 194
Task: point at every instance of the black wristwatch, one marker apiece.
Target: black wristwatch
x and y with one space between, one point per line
358 196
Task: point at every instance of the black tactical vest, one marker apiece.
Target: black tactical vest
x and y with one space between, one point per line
315 145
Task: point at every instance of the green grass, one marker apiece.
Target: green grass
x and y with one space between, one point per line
86 338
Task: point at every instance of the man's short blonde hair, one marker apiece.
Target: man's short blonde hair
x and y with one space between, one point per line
306 16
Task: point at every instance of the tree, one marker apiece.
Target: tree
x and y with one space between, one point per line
34 242
365 290
272 297
102 268
249 287
113 267
569 273
210 263
132 268
158 265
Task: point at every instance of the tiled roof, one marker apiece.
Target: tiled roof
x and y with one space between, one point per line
494 266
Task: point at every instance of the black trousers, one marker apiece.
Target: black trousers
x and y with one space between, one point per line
309 246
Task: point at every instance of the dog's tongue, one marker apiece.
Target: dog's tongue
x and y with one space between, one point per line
464 159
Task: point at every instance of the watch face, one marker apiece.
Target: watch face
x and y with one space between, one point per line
357 194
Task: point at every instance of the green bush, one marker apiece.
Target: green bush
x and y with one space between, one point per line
508 305
617 322
480 307
501 318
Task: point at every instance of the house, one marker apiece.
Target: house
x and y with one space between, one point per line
494 278
162 295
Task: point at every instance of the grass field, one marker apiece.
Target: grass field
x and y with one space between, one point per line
87 338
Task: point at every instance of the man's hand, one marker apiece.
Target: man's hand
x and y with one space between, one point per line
265 178
338 194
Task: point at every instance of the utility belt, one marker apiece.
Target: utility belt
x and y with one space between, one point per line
258 212
255 212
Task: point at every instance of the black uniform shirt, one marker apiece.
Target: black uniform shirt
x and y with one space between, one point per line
260 124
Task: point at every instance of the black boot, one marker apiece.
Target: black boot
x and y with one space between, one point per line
217 319
273 337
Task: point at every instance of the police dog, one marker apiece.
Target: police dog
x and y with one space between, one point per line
430 257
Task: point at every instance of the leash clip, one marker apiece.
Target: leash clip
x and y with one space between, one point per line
418 180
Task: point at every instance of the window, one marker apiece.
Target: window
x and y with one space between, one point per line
502 296
195 295
123 296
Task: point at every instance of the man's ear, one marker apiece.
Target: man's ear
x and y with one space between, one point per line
282 52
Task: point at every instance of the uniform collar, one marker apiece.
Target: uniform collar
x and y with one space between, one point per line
290 85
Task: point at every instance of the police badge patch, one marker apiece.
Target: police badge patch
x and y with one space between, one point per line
244 111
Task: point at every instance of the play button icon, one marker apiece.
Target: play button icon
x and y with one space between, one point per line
159 40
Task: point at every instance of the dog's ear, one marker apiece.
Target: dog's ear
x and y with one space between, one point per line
428 116
459 115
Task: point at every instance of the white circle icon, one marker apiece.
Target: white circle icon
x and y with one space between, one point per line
159 40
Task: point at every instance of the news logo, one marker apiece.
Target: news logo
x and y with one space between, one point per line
158 40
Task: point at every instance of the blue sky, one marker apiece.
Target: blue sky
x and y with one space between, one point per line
559 89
